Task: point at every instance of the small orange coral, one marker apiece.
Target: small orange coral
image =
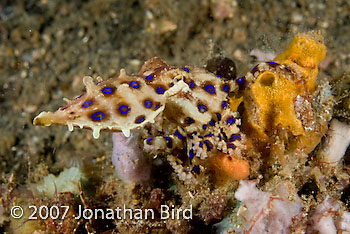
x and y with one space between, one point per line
230 167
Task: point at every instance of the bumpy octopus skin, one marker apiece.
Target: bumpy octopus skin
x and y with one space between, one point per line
191 109
169 105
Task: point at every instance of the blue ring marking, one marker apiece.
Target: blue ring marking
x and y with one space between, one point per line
172 84
134 84
169 142
240 79
208 144
212 122
195 169
231 121
218 116
176 133
209 135
148 140
160 90
157 106
254 68
219 77
201 144
150 77
287 69
148 104
122 109
140 119
191 84
200 137
185 69
202 108
87 103
239 136
191 154
220 137
204 126
224 104
210 89
98 116
184 79
233 137
230 145
226 88
107 90
273 63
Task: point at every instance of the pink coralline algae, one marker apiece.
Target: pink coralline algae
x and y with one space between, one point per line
128 159
322 220
266 212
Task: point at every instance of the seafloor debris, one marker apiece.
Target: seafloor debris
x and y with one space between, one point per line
338 142
194 135
266 211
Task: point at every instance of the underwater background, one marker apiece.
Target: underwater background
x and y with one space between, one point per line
48 46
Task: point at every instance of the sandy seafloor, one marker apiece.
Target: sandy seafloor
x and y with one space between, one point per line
48 46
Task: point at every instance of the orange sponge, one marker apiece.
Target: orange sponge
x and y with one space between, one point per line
230 167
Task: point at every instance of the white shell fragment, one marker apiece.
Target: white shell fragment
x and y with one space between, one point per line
336 143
